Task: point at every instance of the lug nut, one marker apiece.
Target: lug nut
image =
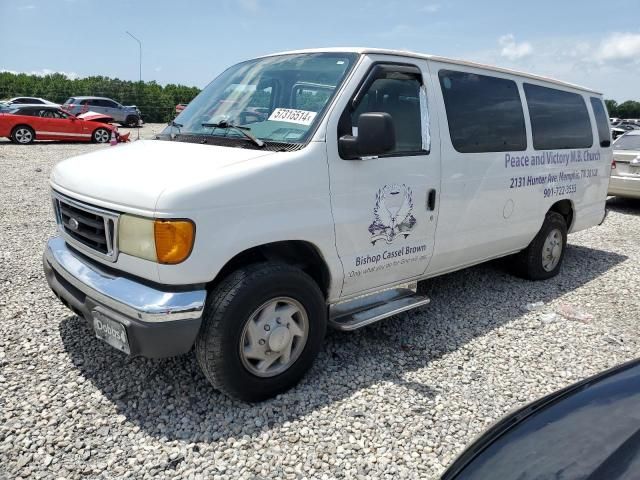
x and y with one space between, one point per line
261 341
267 328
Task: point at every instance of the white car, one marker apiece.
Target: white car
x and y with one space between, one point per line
625 171
366 172
27 101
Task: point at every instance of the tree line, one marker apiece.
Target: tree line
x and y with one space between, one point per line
628 109
156 102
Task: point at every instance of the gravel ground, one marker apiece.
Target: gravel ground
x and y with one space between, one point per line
399 399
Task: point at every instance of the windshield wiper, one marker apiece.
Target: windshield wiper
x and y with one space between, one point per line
243 130
175 124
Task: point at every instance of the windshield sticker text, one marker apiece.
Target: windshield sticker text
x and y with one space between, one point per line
302 117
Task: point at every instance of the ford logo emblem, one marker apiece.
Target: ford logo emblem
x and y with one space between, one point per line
73 224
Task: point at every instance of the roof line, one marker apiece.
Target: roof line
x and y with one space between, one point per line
437 58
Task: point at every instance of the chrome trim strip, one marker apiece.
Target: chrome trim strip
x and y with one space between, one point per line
63 134
112 236
122 294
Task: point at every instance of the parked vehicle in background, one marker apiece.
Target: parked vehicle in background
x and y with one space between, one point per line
180 107
616 132
128 116
589 431
26 123
27 101
614 120
625 171
316 188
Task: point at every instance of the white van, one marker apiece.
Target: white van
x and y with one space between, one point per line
317 188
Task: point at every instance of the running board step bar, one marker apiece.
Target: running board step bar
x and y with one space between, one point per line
364 311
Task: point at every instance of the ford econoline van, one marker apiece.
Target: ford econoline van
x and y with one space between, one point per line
319 188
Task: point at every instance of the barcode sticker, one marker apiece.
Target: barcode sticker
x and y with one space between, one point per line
291 115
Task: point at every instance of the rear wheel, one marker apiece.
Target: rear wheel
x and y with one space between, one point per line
543 257
23 135
101 135
262 328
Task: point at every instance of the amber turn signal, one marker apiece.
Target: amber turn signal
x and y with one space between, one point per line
174 240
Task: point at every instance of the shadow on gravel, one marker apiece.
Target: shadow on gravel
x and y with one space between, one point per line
624 205
171 398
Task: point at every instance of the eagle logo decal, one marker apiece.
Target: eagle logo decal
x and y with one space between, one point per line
392 214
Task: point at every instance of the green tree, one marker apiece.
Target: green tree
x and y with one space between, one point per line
612 107
157 103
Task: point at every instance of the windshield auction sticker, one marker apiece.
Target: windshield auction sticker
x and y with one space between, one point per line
291 115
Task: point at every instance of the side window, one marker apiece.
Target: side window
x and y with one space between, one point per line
602 122
398 94
110 104
484 113
559 119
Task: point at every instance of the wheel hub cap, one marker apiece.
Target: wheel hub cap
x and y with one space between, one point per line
552 250
274 337
279 339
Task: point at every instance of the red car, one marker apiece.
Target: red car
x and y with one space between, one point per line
27 123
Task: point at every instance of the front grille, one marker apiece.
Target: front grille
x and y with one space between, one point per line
87 227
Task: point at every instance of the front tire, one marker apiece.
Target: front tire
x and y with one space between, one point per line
262 328
543 257
23 135
131 121
101 135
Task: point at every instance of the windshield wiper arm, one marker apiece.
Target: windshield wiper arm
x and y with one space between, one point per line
243 130
175 124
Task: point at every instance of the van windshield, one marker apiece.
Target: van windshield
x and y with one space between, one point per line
276 99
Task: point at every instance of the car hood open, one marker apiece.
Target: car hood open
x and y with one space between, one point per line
132 177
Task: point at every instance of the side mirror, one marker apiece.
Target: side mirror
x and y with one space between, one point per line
376 136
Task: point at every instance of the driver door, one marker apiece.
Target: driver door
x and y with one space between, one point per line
385 207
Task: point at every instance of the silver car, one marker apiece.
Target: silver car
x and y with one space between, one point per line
625 170
128 116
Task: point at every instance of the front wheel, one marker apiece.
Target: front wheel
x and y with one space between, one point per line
543 257
262 328
101 135
131 121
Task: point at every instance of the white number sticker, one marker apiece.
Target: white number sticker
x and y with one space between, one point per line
291 115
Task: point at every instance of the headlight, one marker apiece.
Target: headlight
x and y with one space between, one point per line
159 240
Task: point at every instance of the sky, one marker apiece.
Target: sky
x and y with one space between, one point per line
589 42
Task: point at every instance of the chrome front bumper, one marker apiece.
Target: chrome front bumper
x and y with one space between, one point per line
159 322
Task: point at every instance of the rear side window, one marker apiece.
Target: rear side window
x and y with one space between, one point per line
484 113
559 119
602 122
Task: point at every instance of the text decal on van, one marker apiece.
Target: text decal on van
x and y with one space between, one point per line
291 115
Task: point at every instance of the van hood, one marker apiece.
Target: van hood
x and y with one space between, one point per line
132 177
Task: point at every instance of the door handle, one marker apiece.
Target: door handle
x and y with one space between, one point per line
431 200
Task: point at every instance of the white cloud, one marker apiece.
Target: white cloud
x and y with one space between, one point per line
431 8
44 71
251 6
619 46
513 50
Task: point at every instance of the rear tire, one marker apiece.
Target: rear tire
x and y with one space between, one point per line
263 326
23 135
543 257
